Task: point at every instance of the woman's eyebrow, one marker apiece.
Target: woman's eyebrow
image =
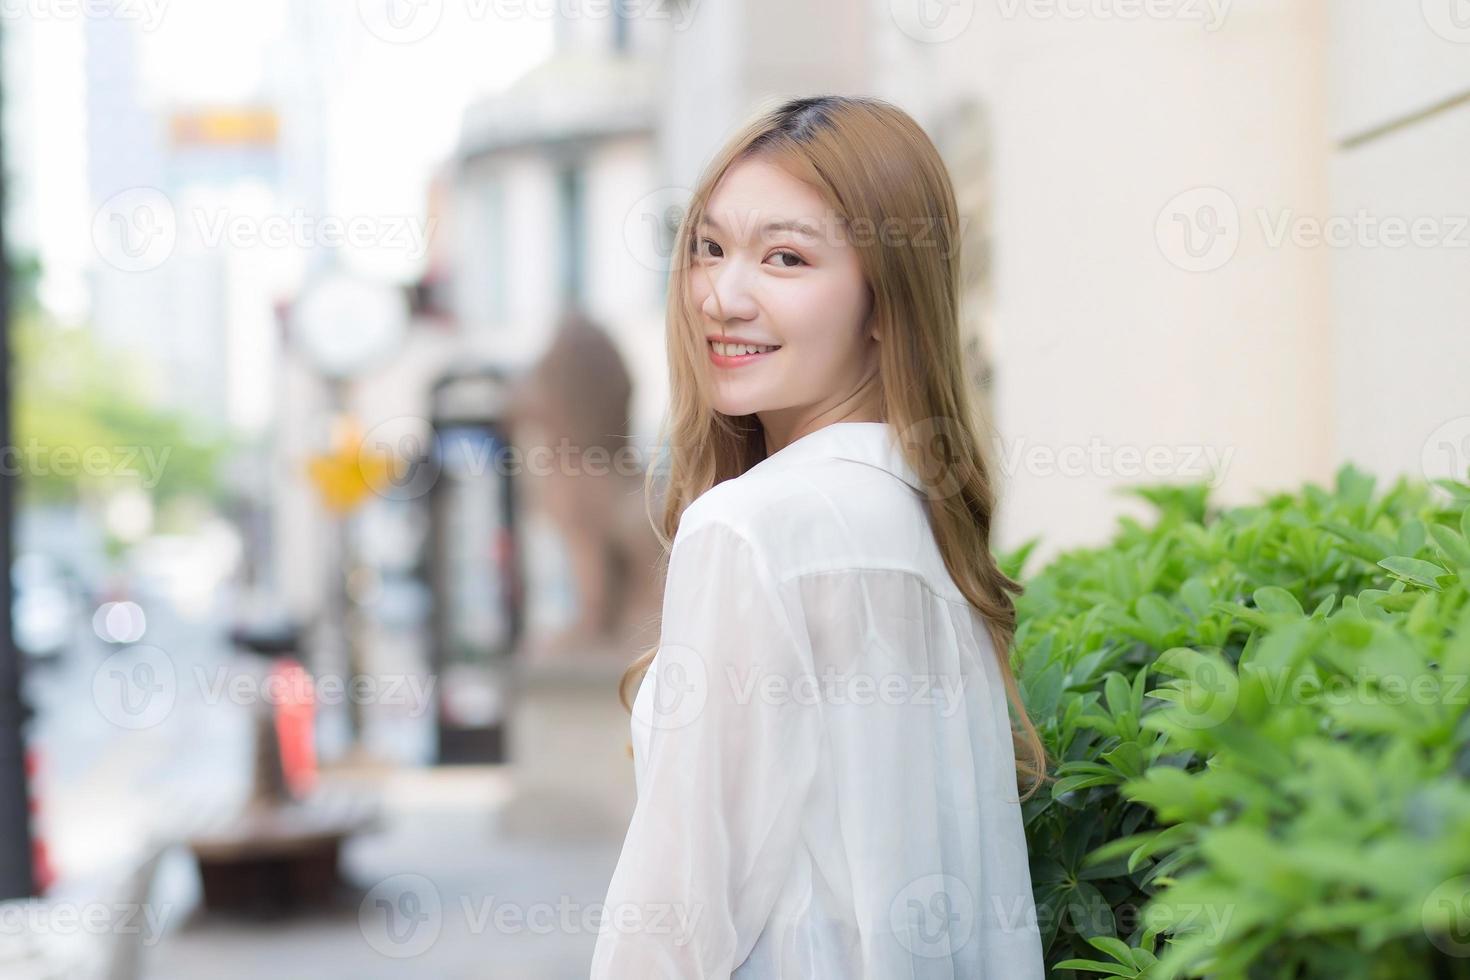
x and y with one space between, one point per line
782 224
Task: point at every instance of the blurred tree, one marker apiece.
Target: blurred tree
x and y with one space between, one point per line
83 423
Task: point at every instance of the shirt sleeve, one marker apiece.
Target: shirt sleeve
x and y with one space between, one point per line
733 736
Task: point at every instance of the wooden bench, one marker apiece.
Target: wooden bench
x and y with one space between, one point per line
276 853
272 858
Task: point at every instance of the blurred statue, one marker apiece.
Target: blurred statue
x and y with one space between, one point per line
572 409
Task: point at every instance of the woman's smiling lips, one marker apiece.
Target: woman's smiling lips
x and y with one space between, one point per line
728 360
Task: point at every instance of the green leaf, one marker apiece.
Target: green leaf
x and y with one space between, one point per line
1458 491
1119 696
1252 617
1090 912
1353 485
1044 693
1097 966
1415 570
1072 784
1365 544
1452 544
1156 614
1127 758
1274 599
1411 537
1165 840
1114 947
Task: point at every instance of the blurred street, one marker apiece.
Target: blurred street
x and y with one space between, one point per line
442 837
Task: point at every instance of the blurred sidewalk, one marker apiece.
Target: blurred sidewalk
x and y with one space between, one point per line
441 892
477 871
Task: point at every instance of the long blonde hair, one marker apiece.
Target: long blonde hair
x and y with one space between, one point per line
876 168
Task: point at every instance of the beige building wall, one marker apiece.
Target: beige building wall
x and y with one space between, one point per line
1146 328
1401 301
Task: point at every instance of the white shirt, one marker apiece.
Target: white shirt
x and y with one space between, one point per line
822 752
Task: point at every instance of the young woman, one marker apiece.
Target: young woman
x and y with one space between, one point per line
828 775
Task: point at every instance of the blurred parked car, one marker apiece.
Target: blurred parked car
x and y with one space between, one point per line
46 608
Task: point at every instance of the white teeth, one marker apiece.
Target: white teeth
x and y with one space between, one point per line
735 350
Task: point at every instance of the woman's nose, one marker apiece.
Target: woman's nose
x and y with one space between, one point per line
730 296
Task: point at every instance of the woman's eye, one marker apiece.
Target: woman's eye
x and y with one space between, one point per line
785 259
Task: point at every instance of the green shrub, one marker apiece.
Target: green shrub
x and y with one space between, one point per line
1259 718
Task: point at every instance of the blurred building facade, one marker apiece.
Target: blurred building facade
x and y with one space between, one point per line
542 185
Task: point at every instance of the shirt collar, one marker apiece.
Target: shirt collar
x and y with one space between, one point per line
873 443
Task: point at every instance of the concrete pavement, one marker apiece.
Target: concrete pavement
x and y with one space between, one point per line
442 893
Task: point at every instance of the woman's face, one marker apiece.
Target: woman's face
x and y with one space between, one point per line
773 267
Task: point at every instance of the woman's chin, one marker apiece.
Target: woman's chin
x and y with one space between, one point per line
738 406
